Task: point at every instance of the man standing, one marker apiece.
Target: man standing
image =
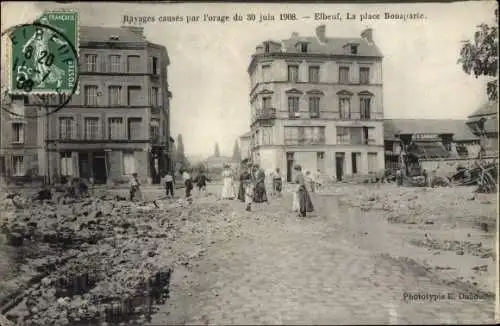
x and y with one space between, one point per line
188 183
169 184
134 186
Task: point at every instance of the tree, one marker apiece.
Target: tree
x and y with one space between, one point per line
217 151
236 152
481 56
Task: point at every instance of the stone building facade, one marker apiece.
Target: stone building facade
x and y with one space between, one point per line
318 101
119 122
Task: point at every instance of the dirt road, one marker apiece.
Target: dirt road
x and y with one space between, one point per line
340 265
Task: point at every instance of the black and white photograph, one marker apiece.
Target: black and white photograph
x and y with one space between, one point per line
260 163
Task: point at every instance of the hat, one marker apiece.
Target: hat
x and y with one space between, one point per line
297 167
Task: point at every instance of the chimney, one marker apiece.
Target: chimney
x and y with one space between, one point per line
320 33
367 34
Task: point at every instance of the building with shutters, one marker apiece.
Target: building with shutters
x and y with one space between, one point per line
317 101
118 124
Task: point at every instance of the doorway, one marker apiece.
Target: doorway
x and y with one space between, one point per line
289 166
339 165
84 165
354 162
99 168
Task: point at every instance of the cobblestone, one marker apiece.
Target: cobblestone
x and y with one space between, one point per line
330 268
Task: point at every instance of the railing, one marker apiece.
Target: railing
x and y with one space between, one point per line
264 114
305 141
359 116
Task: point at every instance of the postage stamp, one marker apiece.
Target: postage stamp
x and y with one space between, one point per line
43 57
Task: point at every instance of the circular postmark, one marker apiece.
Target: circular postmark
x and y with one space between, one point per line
43 67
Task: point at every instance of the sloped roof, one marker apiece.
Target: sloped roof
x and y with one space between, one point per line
458 128
332 46
487 108
246 134
103 34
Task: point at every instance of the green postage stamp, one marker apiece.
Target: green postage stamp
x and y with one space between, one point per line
44 55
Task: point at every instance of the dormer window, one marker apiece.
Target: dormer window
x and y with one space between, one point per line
303 47
354 49
114 37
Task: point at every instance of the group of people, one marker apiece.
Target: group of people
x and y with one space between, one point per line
252 186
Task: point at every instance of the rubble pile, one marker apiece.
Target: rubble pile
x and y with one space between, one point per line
459 247
418 205
104 262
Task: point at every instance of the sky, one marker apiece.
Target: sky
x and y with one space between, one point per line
208 72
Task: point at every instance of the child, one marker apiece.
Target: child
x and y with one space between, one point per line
134 186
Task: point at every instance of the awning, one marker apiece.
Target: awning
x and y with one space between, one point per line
12 121
428 149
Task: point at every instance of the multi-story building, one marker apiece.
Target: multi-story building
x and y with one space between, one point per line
484 124
119 123
317 101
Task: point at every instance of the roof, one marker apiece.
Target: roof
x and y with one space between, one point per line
458 128
103 34
488 108
246 135
429 150
332 46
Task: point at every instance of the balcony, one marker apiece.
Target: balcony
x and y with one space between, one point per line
359 116
265 116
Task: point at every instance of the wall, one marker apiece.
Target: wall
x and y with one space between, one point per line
445 167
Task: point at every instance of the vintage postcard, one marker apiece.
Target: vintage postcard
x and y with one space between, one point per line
248 163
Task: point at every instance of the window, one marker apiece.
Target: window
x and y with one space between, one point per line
134 95
91 62
266 73
18 133
293 106
354 49
365 108
18 165
154 65
267 136
266 102
293 73
91 128
364 75
115 95
128 163
314 107
304 135
91 95
134 128
65 128
133 63
345 108
155 128
314 74
115 128
114 63
291 135
342 135
154 96
344 75
66 164
372 162
303 47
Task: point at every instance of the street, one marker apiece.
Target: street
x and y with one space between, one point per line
340 265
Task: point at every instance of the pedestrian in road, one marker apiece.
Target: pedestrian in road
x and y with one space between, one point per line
241 186
304 200
188 183
169 184
277 183
135 189
228 188
248 188
259 178
319 180
201 182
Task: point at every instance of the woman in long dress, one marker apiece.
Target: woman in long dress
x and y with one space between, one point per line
228 188
248 188
305 204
